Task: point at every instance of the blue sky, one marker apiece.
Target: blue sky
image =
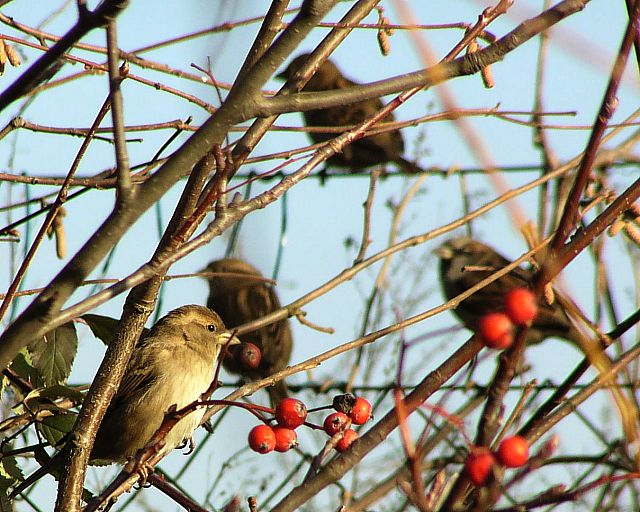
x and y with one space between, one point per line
321 218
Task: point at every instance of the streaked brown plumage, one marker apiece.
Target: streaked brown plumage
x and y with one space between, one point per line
240 299
373 150
458 253
173 364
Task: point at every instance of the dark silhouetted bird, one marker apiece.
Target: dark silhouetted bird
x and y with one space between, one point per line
243 296
359 154
457 259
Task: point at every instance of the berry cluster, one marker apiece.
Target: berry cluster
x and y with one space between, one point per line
513 452
290 413
520 308
349 410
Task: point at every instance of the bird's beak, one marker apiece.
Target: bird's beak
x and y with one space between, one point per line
229 339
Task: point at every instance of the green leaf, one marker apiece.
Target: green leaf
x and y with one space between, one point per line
53 355
9 472
54 392
5 503
54 428
45 399
103 327
24 368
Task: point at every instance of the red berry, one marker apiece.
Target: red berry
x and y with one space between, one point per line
290 413
335 423
285 439
513 451
496 330
478 464
361 411
248 356
262 439
347 440
521 306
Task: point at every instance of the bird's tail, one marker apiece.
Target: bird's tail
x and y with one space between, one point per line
277 392
408 166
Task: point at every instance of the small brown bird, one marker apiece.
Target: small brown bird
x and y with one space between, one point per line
373 150
459 253
243 296
172 364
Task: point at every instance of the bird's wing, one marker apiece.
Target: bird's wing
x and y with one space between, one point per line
273 338
136 381
261 301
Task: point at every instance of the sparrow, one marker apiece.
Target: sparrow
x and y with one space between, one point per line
243 296
173 364
365 152
464 262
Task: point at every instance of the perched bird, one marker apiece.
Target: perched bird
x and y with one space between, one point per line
465 262
243 296
173 364
372 150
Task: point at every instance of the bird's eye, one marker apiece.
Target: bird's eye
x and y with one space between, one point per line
211 327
